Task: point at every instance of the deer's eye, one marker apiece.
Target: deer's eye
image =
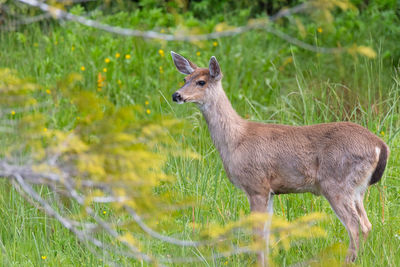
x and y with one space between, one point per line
201 83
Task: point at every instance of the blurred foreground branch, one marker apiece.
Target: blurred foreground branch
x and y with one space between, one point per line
266 25
103 179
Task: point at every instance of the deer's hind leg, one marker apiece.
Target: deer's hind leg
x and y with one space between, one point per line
365 224
345 208
359 192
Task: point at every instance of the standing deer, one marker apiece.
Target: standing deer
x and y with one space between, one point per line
337 160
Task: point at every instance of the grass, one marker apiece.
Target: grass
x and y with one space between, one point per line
266 79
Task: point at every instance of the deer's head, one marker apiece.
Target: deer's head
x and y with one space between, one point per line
200 83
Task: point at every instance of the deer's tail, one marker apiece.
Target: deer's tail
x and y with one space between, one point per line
380 167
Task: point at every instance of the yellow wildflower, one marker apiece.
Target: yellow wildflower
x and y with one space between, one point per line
148 111
100 81
161 69
82 68
104 212
146 103
105 70
319 30
13 112
161 52
44 257
117 55
45 129
287 61
48 91
215 44
198 53
119 82
72 48
383 133
162 31
107 60
127 56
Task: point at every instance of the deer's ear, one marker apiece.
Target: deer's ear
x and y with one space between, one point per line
215 70
182 64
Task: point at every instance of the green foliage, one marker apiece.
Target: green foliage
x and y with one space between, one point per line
129 104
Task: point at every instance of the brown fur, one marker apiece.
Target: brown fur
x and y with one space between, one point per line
336 160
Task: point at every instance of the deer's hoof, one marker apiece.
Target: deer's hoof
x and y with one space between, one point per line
351 256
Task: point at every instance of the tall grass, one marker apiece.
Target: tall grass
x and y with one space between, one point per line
266 79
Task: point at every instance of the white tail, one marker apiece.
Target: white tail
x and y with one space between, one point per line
336 160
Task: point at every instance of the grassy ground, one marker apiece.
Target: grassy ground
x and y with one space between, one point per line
265 78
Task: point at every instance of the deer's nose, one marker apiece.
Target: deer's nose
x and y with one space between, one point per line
176 97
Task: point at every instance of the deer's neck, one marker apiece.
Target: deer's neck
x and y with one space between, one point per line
225 125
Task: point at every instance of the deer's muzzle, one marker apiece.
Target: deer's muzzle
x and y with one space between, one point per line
176 97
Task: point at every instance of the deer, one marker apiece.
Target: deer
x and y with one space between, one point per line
337 160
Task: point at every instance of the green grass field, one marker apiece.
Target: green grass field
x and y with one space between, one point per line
266 80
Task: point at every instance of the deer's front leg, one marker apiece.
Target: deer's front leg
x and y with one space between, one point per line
263 204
